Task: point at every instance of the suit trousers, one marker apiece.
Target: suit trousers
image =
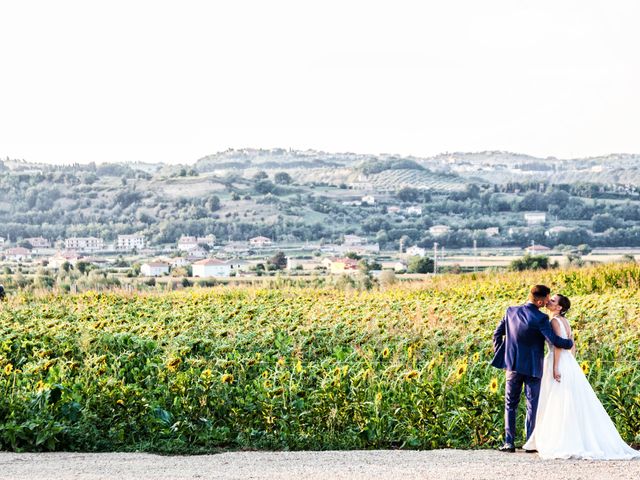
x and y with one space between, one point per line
513 390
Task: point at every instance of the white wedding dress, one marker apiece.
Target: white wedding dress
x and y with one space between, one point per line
571 422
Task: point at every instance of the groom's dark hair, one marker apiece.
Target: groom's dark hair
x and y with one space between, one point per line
539 292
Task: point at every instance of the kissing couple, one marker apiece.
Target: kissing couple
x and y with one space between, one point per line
565 419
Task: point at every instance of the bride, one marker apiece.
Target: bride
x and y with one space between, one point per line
571 422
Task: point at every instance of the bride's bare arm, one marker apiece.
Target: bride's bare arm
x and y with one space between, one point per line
556 351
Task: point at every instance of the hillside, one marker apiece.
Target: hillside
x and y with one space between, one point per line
295 196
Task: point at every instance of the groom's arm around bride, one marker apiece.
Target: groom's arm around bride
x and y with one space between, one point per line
518 343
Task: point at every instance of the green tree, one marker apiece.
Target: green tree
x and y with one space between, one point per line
531 262
264 186
282 178
279 260
419 264
408 194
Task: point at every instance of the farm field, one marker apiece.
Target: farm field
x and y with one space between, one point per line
294 368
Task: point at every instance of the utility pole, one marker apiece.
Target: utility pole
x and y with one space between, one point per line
475 254
435 257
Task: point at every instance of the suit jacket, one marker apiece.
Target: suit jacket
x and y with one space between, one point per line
518 341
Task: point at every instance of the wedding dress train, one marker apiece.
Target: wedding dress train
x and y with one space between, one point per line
571 422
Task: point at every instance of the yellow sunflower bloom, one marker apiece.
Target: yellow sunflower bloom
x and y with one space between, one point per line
493 385
585 367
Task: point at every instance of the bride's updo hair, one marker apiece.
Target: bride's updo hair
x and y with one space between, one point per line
564 303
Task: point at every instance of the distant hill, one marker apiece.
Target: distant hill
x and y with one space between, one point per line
310 195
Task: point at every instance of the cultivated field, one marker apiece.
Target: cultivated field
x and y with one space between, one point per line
294 368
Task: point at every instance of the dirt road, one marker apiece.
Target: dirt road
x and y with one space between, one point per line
435 464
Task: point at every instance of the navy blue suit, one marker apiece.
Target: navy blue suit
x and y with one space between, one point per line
518 343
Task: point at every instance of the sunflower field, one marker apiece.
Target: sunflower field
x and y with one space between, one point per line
295 368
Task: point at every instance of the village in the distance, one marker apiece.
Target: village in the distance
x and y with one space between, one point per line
310 216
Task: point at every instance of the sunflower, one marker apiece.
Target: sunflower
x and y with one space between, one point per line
411 375
299 366
476 357
8 369
493 386
461 370
385 352
173 364
227 378
585 367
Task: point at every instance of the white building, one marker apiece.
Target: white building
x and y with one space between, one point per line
18 254
535 218
416 251
439 230
179 262
354 240
492 231
84 244
359 249
2 240
260 242
235 247
369 200
186 243
38 242
129 242
557 229
536 249
60 258
198 252
211 267
154 269
414 210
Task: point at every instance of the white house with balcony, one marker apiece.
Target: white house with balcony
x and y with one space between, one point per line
154 269
414 210
211 267
84 244
129 242
368 199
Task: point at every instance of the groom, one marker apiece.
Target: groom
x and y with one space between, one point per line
518 343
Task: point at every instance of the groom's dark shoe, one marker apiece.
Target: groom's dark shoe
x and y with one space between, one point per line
530 451
507 447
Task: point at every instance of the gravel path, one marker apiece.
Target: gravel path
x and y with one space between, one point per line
381 464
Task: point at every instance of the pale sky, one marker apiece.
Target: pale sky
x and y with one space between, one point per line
131 80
